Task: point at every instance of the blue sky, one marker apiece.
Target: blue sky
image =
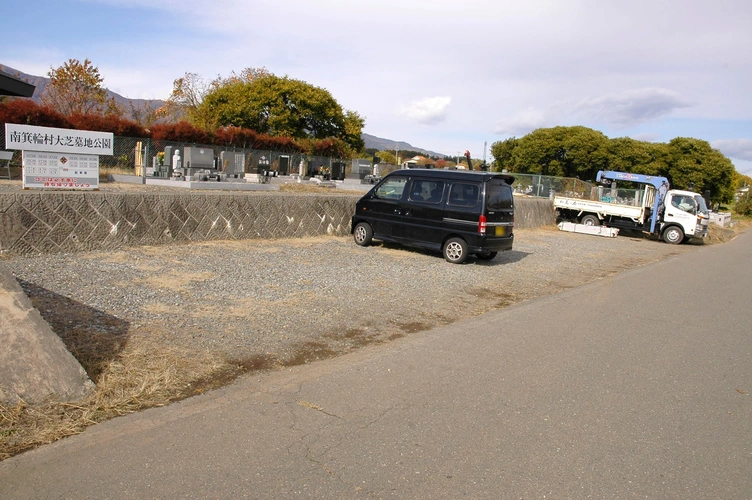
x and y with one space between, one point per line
447 76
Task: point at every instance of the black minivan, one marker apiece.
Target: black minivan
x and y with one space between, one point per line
458 212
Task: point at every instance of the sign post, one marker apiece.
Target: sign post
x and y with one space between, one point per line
56 158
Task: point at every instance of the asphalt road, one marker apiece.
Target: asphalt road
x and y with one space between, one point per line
634 386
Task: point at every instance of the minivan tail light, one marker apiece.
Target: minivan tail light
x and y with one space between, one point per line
482 224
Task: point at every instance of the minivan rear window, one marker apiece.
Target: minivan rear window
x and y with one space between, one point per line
499 195
463 194
427 191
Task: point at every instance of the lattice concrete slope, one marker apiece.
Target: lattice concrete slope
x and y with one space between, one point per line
71 222
45 222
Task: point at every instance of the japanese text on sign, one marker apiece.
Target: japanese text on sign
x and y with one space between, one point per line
28 137
60 170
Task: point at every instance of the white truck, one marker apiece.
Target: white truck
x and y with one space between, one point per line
676 216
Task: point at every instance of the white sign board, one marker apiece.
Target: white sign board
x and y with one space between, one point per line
58 140
60 170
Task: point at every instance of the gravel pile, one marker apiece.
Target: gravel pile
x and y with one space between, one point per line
287 300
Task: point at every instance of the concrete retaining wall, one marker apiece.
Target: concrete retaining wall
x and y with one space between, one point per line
45 222
533 212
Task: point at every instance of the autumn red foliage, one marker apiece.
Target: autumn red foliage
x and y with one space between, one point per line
329 147
179 132
27 112
235 137
107 123
277 143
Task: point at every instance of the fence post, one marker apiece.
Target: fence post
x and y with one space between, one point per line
145 160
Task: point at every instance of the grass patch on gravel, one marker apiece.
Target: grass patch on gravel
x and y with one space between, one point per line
142 375
718 234
310 187
133 370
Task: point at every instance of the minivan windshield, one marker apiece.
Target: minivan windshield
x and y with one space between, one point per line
391 188
499 195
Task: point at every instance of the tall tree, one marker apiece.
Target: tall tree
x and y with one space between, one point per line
558 151
503 153
581 152
189 91
741 180
630 155
76 88
694 164
386 157
282 106
353 130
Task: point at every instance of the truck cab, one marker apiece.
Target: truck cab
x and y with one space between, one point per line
685 216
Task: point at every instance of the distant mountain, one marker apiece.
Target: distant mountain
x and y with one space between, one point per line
389 145
41 83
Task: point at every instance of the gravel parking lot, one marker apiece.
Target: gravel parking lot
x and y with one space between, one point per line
152 325
293 301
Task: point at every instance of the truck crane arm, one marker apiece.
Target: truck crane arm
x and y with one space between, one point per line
659 183
469 160
610 175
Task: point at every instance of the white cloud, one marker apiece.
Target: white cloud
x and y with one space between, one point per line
647 137
619 110
509 66
740 149
427 111
523 122
631 107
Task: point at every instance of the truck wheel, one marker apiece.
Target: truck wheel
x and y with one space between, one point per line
363 234
673 235
455 250
590 220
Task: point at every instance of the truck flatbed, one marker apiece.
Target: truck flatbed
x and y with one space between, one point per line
601 207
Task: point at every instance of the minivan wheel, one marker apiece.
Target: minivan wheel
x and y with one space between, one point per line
486 255
455 250
363 234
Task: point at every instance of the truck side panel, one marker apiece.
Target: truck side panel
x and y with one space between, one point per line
599 207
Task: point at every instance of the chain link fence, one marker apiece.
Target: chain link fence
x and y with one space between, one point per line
545 186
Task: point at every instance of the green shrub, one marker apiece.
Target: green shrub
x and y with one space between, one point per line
744 206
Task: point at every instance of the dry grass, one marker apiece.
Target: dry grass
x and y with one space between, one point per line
143 375
308 187
132 371
104 171
718 234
